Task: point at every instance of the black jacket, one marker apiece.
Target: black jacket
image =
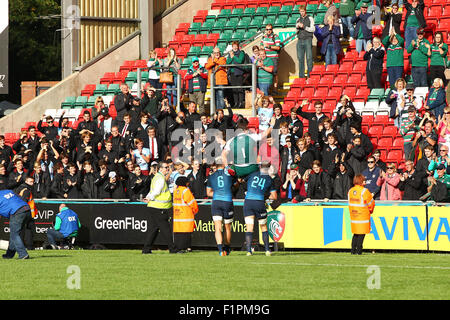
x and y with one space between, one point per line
414 187
197 184
418 12
319 186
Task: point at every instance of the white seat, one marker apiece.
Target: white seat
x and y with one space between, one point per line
383 109
370 107
359 106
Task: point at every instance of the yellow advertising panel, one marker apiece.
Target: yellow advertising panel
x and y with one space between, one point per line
328 227
439 228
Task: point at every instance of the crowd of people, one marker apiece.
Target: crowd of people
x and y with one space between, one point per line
115 158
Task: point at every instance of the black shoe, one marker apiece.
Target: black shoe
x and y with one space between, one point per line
181 251
5 256
146 251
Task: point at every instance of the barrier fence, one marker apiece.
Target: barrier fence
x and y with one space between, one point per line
315 225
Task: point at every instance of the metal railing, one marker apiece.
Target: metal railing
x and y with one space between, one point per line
178 83
253 86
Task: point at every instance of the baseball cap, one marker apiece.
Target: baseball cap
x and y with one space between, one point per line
421 31
411 109
294 166
441 167
195 59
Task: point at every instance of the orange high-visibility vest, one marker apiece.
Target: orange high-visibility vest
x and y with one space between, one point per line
30 202
361 206
184 208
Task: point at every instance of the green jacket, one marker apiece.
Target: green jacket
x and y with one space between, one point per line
394 53
347 8
419 54
438 59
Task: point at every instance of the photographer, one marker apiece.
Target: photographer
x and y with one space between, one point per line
166 116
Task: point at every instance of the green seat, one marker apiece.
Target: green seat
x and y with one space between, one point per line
318 19
113 89
144 76
224 13
280 22
256 22
249 35
249 12
207 26
268 20
91 101
238 36
321 8
273 11
261 11
243 23
206 51
100 89
231 24
80 102
311 9
210 19
376 94
68 103
291 22
225 37
219 25
131 76
237 13
222 46
195 28
286 9
187 62
194 51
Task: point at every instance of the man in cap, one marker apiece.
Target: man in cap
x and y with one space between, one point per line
420 51
197 78
363 34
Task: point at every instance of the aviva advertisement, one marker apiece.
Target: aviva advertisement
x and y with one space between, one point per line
392 227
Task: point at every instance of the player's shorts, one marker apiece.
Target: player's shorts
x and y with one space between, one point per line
222 209
242 171
255 208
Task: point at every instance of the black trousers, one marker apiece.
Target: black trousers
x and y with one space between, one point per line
374 78
182 240
238 94
357 243
437 72
159 223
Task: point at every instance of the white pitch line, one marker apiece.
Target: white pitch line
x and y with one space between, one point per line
350 265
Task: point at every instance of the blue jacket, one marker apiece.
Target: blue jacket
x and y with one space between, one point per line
361 22
68 224
333 36
371 180
440 99
10 203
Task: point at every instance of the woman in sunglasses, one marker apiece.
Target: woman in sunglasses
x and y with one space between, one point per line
388 181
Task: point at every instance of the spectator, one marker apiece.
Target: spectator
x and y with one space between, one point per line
271 45
221 121
6 152
436 100
439 188
266 72
342 175
426 136
438 58
304 157
394 56
197 180
412 182
305 31
388 181
197 77
114 187
408 129
295 124
444 128
138 184
374 68
265 113
287 156
443 159
172 64
397 101
414 20
331 45
378 162
151 101
50 131
153 74
123 102
214 65
314 118
255 54
425 160
319 184
356 155
372 173
331 11
392 21
293 187
330 152
347 10
235 74
420 50
278 116
363 34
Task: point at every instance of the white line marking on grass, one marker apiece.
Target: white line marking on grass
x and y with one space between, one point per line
350 265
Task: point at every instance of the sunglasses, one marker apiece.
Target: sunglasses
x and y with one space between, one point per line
370 161
268 29
391 168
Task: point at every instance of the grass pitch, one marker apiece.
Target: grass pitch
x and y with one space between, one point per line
204 275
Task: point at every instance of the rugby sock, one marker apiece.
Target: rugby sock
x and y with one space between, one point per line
220 247
248 240
227 249
265 236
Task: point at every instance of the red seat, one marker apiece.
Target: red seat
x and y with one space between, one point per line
211 39
375 131
182 29
354 79
398 142
381 119
313 81
435 11
188 40
88 90
331 69
107 78
318 70
360 67
326 80
385 143
200 39
394 156
390 131
350 92
345 68
321 93
200 16
298 83
253 122
335 93
127 65
307 93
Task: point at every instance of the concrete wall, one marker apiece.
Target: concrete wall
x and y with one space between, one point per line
164 29
70 86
